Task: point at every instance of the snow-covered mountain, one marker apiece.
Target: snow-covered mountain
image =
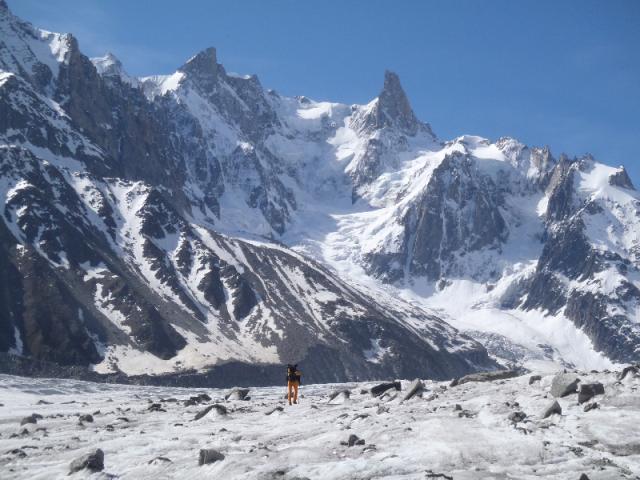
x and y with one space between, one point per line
196 220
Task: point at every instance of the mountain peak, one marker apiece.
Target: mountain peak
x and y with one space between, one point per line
203 64
394 105
391 109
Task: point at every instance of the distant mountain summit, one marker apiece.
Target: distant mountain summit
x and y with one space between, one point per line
198 222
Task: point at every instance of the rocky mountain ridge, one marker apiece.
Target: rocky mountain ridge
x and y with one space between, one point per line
184 221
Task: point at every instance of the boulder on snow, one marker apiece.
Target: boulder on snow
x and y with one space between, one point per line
589 390
590 406
195 400
156 407
416 388
30 419
220 409
487 376
353 440
552 409
564 384
209 455
237 394
516 417
631 369
383 387
86 418
93 461
343 394
534 378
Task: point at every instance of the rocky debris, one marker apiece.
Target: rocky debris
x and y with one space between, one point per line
237 394
345 394
18 452
416 388
93 461
220 409
591 406
432 474
33 418
353 440
156 407
589 390
552 409
564 384
209 455
276 409
382 409
631 369
517 417
86 418
534 378
383 387
487 376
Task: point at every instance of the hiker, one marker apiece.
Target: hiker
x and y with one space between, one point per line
293 382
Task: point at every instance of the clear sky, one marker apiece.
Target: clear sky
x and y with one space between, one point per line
561 73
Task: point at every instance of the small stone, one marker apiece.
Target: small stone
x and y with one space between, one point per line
534 378
458 407
553 409
86 418
516 417
276 409
43 402
209 455
159 460
93 461
354 440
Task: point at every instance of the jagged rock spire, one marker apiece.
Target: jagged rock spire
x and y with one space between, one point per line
391 109
394 107
203 64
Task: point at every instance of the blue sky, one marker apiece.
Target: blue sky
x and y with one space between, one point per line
566 74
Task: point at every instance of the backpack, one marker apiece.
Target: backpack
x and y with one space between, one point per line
293 374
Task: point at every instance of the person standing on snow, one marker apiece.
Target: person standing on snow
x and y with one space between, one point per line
293 382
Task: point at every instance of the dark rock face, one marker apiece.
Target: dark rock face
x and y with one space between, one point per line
621 179
458 212
568 253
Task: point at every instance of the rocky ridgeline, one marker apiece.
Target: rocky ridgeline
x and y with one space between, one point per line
563 413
